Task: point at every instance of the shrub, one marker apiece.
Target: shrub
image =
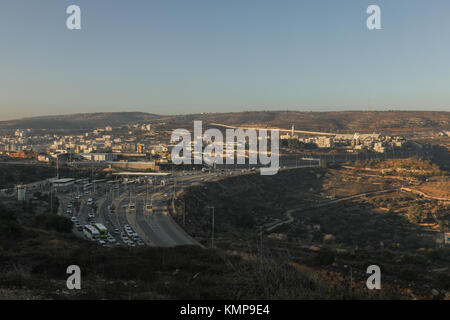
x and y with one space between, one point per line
53 222
415 213
443 280
325 257
408 274
246 220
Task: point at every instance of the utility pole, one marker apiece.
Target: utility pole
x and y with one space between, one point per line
351 276
261 246
184 213
212 228
51 199
57 166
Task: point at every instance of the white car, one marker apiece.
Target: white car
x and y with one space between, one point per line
111 240
74 219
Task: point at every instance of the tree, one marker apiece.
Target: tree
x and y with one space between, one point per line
325 256
390 207
415 213
53 222
246 220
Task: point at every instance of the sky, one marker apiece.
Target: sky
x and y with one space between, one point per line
191 56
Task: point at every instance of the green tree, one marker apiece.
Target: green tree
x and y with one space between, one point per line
415 213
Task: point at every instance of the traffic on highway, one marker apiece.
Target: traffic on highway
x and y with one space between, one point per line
134 209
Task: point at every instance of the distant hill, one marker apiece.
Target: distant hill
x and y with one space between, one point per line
79 121
339 121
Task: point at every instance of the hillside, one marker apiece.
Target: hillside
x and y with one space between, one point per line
340 121
79 121
36 249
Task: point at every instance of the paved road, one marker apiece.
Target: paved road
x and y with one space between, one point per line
156 228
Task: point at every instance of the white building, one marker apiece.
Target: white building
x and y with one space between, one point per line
325 142
99 156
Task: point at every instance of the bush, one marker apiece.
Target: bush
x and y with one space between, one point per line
408 274
443 280
53 222
415 213
325 257
246 221
10 229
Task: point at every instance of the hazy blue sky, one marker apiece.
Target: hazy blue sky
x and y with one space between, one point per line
190 56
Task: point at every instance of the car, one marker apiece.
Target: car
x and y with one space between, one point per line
91 216
140 243
111 240
102 242
69 205
74 219
116 231
128 229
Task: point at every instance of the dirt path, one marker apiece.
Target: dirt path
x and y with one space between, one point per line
424 194
290 219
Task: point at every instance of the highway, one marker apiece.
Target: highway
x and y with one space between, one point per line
155 226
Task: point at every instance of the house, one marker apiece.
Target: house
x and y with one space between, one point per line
447 238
